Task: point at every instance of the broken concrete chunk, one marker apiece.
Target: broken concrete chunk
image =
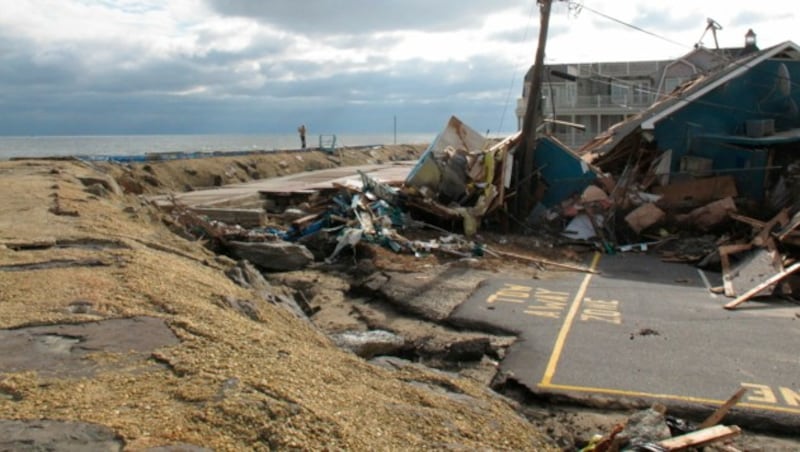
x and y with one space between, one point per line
367 344
245 275
61 350
646 426
276 256
644 216
57 435
471 349
755 268
247 218
432 296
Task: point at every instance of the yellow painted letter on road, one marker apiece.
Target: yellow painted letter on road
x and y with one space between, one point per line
511 293
760 393
791 397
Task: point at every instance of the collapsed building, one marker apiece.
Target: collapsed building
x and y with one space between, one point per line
716 154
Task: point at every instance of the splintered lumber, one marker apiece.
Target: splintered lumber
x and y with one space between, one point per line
781 219
536 260
247 218
723 410
772 280
302 222
700 438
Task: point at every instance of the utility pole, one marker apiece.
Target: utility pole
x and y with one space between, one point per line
527 146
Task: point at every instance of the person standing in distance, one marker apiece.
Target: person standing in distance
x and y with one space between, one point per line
302 131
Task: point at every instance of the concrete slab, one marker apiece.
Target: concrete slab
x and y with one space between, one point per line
643 330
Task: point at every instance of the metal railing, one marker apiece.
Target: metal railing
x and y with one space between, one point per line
606 101
598 102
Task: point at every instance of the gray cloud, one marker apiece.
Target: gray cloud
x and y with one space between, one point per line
668 21
359 16
43 95
78 87
750 18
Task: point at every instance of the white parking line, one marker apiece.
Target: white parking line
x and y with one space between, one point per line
708 284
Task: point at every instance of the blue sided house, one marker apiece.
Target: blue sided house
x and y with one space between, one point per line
742 119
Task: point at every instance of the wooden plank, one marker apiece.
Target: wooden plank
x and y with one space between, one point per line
782 218
700 437
717 416
757 224
772 280
545 261
783 234
303 222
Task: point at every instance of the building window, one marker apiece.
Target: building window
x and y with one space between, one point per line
619 93
641 93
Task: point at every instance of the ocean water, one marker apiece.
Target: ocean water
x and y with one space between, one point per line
60 146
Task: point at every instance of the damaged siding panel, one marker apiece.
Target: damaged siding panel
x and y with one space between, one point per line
563 171
457 135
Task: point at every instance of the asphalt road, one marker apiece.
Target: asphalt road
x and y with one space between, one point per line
643 330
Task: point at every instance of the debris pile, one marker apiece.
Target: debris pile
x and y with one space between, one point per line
654 430
460 179
693 216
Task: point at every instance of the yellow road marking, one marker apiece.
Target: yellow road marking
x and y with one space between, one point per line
564 332
622 392
558 348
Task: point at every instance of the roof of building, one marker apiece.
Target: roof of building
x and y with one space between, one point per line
681 97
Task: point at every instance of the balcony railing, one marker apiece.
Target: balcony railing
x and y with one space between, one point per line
636 102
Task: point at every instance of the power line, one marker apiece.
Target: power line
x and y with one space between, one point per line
622 22
716 55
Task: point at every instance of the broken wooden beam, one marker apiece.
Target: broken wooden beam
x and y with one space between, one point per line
700 437
717 416
772 280
303 222
247 218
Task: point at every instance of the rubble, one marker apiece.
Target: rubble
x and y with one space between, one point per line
369 344
274 256
653 430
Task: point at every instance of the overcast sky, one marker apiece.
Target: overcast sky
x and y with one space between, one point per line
84 67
